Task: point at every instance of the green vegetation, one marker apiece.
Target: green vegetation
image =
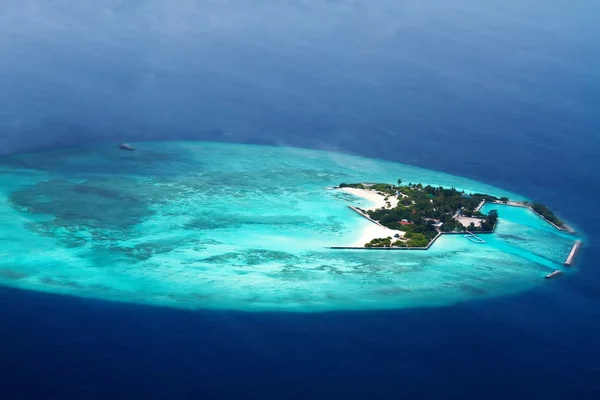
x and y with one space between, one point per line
546 213
383 242
423 211
451 226
417 239
489 223
353 185
377 187
471 213
387 242
420 208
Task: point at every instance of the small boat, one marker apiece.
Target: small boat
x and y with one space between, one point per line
126 146
553 274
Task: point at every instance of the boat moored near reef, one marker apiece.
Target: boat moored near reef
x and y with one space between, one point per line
125 146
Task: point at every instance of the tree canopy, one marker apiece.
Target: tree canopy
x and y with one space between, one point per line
421 209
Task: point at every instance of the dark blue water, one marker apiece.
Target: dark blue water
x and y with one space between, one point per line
502 92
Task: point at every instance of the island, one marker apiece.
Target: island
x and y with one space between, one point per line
413 216
222 226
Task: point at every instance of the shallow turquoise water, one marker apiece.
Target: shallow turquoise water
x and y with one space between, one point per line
206 225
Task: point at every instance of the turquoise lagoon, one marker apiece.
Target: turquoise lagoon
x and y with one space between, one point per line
229 226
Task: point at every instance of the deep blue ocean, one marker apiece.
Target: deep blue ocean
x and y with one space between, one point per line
507 93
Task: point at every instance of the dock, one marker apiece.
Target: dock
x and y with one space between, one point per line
480 205
573 253
564 228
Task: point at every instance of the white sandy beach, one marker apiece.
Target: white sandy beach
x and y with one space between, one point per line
465 221
373 231
377 200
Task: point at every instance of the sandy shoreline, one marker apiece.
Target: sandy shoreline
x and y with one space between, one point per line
465 221
373 231
377 200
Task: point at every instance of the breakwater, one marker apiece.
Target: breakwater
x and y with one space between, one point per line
553 274
365 215
565 228
393 248
573 253
375 248
386 248
405 248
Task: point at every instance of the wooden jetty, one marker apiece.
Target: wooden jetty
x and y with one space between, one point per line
573 253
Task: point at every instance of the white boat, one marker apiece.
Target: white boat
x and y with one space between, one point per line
126 146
